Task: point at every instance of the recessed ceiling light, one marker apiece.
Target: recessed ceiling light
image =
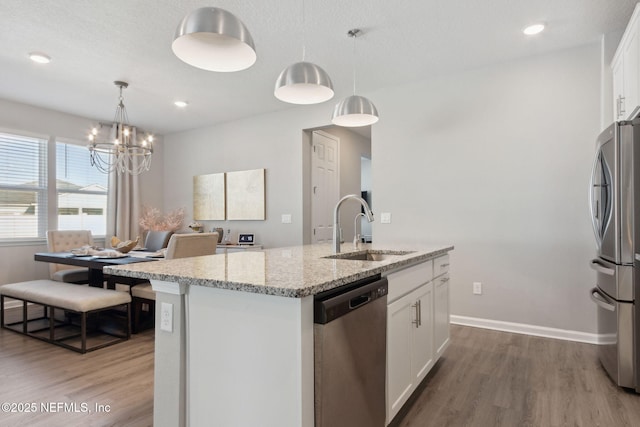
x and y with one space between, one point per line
39 57
533 29
181 104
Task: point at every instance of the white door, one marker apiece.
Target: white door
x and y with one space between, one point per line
325 185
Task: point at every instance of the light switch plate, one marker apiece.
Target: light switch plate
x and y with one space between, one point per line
385 217
286 218
166 317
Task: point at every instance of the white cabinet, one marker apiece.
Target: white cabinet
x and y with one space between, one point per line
417 327
409 345
441 319
625 68
410 332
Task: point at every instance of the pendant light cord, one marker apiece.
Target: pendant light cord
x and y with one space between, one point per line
355 32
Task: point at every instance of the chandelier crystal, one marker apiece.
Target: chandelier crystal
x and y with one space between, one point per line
122 151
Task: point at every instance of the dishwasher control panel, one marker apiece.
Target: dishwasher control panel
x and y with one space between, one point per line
341 301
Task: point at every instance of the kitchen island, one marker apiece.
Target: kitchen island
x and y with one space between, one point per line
234 332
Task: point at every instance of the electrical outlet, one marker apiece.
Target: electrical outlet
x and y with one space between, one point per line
166 317
286 218
477 288
385 218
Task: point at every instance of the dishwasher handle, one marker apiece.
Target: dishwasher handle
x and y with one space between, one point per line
355 296
359 300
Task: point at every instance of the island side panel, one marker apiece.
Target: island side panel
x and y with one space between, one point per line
249 359
169 398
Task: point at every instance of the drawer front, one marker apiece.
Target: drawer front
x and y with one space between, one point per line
440 265
404 281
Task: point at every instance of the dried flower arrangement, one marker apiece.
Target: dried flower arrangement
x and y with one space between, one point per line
152 219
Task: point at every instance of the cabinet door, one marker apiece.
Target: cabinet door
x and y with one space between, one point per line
441 315
422 350
631 72
400 385
617 70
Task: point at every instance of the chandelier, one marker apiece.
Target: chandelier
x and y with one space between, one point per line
122 151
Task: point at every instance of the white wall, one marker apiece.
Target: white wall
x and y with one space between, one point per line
495 161
16 262
271 141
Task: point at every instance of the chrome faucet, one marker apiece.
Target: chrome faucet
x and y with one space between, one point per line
336 218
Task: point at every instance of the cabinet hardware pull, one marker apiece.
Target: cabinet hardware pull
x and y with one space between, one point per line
417 320
419 313
444 265
444 280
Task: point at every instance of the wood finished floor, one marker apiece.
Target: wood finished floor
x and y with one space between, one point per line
120 376
486 379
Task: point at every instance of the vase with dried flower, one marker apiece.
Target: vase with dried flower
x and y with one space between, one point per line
152 219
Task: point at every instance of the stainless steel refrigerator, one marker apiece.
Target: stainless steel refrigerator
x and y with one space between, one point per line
615 213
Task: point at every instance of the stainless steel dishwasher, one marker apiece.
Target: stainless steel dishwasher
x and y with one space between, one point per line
350 344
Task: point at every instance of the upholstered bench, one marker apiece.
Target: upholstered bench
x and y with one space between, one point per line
81 300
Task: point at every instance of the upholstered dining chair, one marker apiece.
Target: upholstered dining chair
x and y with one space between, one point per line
157 240
180 246
65 240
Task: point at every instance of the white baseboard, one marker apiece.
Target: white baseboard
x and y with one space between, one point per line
522 328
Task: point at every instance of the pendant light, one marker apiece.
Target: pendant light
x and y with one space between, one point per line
354 111
213 39
303 82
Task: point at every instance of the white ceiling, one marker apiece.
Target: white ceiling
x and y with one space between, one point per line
94 42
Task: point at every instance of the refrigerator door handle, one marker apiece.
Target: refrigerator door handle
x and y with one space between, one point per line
601 300
595 264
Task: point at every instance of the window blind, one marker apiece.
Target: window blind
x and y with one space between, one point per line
23 187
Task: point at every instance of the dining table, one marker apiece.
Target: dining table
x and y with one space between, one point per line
95 264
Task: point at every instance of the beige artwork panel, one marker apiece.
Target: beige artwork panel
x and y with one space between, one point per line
209 197
245 195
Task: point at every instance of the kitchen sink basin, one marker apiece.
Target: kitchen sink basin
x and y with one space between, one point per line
368 255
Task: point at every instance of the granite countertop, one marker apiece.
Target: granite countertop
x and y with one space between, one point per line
294 272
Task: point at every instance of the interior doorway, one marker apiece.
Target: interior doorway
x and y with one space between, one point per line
352 175
325 184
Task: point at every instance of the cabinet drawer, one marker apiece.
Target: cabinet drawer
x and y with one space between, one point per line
440 265
404 281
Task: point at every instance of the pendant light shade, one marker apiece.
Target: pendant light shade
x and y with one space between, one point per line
213 39
303 83
354 111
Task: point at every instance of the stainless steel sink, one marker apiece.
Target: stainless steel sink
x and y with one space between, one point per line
369 255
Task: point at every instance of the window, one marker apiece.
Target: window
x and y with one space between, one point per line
81 191
29 173
23 187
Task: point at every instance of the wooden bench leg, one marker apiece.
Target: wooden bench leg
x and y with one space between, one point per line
24 317
128 320
83 331
52 315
